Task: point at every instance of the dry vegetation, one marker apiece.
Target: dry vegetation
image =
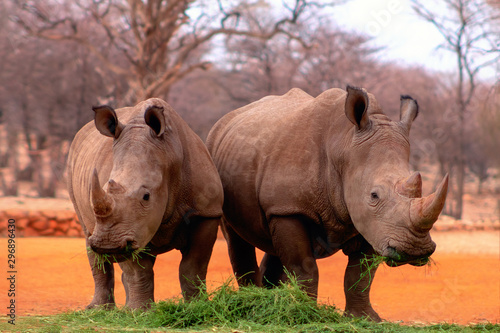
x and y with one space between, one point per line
208 57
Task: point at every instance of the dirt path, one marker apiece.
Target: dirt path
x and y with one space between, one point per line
463 287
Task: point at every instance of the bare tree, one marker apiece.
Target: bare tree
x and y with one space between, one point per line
43 88
468 29
152 43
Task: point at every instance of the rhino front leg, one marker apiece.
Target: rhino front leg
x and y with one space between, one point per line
138 280
104 282
196 255
292 244
357 289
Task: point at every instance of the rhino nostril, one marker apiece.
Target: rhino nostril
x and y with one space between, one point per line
129 247
394 254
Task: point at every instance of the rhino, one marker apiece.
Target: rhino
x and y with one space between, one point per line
143 183
305 177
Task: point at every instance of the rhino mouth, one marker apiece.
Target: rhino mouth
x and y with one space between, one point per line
120 253
395 258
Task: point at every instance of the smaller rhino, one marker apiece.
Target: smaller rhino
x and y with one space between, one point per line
140 178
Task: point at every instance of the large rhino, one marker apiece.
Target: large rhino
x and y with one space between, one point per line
140 178
304 177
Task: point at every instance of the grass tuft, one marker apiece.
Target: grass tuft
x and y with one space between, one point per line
368 263
285 308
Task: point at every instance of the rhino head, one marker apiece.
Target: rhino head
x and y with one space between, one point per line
130 207
383 198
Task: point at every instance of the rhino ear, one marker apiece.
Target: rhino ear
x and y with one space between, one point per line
408 110
154 118
356 105
106 121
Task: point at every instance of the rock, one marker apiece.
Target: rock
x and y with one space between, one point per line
59 233
53 225
74 233
49 214
66 215
39 225
28 232
15 214
47 232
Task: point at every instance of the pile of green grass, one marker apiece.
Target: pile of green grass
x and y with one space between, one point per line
285 308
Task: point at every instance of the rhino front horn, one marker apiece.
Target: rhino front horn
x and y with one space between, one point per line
101 201
425 211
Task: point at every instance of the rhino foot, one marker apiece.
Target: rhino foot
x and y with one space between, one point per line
368 314
100 305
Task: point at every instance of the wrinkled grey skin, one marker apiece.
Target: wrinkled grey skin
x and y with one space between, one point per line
304 177
140 177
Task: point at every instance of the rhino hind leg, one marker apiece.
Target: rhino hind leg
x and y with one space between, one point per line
242 257
104 283
196 255
292 244
357 288
272 271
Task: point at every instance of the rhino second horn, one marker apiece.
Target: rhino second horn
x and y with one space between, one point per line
411 187
114 187
101 201
425 211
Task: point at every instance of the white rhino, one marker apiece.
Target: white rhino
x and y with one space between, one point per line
304 177
140 178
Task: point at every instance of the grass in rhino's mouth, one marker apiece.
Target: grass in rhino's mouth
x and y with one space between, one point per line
370 262
101 259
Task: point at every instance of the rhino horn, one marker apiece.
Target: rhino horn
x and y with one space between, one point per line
411 187
114 187
425 211
101 201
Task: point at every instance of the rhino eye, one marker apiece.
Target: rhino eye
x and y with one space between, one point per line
374 195
145 197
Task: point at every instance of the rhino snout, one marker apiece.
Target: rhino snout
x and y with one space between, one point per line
98 245
395 257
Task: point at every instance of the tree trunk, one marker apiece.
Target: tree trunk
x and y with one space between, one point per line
480 186
9 179
460 191
8 182
44 178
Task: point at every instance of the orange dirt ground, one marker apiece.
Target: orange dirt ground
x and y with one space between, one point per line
53 276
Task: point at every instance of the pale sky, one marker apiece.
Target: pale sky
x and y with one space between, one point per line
392 23
407 38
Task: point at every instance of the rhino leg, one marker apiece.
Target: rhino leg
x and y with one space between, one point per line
243 258
272 271
138 280
104 283
357 291
292 243
196 255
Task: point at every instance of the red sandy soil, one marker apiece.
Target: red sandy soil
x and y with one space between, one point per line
53 276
